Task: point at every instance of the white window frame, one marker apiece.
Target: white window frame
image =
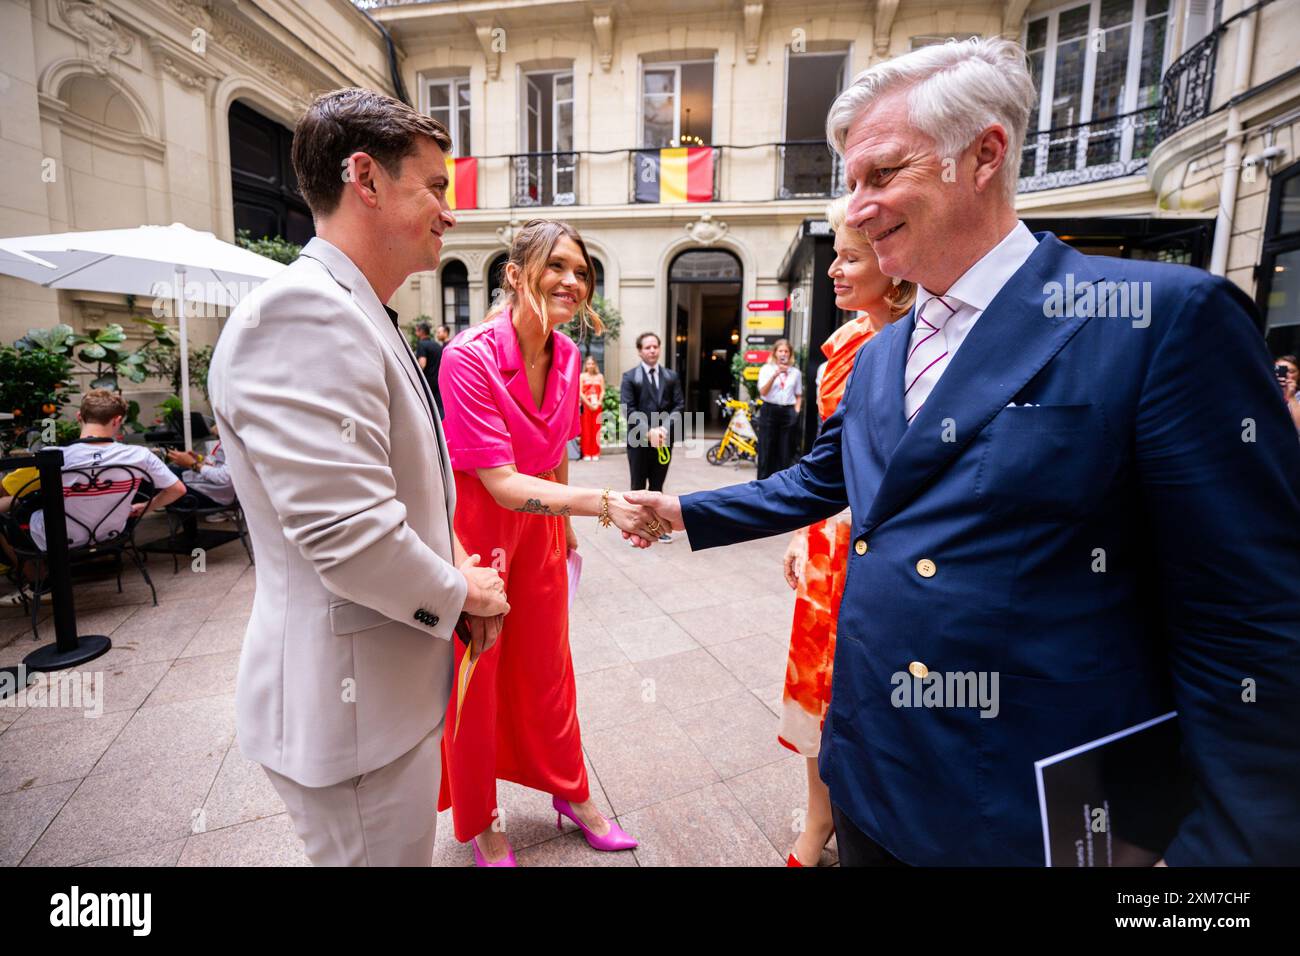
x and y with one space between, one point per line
676 70
530 120
676 67
453 84
1137 30
846 74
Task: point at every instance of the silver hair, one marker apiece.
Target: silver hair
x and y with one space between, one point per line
956 90
837 212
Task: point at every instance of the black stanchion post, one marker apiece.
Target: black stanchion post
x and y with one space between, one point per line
68 650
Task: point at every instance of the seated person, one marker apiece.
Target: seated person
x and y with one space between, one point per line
207 479
104 510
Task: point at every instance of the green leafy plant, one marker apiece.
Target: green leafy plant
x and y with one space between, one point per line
66 431
738 365
273 247
169 406
34 385
162 357
585 335
98 352
612 423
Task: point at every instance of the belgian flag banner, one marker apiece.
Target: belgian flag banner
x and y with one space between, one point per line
462 188
684 174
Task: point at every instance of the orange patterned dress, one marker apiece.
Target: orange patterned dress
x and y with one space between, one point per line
821 586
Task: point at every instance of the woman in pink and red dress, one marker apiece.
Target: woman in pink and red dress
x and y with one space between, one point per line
510 390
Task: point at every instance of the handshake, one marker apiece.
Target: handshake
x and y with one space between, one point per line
645 516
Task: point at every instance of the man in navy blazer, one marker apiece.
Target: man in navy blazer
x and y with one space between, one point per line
1071 476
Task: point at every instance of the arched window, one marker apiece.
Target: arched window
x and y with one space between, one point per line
455 296
705 265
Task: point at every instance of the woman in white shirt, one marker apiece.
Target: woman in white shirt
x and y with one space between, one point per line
780 385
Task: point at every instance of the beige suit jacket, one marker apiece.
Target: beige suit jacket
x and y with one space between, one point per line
339 461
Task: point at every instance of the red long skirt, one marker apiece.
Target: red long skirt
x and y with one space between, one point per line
519 720
590 432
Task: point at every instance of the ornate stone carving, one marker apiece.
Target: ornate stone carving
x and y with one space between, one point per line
262 58
261 62
473 262
1013 13
705 231
488 36
603 23
170 67
885 12
507 232
105 39
753 23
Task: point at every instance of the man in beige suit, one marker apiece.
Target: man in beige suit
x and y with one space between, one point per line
339 461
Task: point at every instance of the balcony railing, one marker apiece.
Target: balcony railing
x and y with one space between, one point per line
1187 86
804 169
808 169
545 179
1089 152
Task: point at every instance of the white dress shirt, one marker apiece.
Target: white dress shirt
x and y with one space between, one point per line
976 288
787 384
656 380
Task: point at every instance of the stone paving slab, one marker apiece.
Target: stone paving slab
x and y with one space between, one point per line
679 659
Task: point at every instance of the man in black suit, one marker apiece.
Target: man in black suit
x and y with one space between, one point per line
428 352
653 403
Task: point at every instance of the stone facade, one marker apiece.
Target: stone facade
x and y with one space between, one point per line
115 113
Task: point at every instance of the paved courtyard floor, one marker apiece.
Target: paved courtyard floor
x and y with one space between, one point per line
680 659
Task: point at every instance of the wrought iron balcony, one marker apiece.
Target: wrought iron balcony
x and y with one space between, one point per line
545 179
1188 84
808 168
1089 152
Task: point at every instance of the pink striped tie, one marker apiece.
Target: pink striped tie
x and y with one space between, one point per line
927 354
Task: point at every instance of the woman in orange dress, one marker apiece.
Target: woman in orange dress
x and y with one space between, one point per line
593 402
510 389
817 559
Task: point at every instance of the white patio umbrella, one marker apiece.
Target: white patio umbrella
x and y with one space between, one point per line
15 262
183 263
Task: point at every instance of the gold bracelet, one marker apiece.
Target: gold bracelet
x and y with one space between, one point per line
604 519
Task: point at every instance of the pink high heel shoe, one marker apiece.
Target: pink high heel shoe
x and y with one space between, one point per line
615 839
507 860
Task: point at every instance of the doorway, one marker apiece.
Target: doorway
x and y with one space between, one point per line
703 322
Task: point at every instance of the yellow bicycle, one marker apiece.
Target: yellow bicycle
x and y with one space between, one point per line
739 441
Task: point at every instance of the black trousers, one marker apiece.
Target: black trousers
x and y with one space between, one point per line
645 470
776 434
856 848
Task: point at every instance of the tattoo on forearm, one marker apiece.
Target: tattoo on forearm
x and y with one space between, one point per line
534 506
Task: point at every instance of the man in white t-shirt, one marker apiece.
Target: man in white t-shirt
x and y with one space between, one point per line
104 508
